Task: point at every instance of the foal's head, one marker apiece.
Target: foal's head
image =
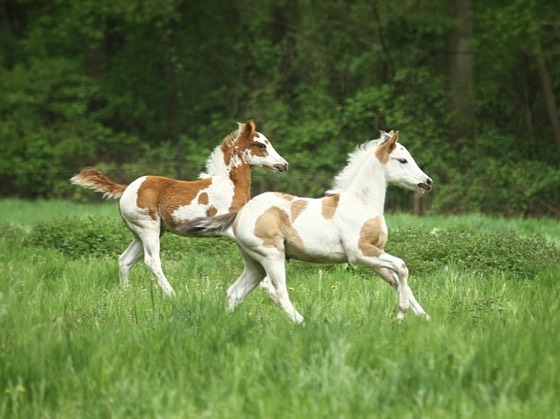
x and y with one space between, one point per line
247 145
400 167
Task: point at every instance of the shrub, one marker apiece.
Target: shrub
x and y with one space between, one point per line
516 256
99 237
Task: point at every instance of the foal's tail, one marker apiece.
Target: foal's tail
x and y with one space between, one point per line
207 226
93 179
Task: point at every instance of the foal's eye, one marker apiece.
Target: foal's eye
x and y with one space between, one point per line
403 161
261 146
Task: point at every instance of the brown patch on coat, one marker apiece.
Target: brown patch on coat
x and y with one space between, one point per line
161 196
203 198
273 227
297 208
384 150
241 178
259 149
329 204
285 196
372 240
210 212
241 175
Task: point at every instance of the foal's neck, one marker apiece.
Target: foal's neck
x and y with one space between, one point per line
233 169
221 164
241 178
369 187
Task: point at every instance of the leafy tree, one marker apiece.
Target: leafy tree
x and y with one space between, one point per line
146 86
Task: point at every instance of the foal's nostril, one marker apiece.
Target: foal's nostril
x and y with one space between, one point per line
281 167
429 182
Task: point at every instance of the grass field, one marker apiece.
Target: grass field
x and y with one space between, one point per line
73 344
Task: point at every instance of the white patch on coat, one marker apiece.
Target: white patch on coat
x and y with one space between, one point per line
128 203
220 195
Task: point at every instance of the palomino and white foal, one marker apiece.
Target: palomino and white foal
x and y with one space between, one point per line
152 205
346 225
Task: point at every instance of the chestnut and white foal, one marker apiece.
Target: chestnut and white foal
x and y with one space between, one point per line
346 225
152 205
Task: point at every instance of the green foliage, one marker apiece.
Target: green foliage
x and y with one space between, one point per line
48 135
481 253
503 182
423 251
125 85
96 237
522 188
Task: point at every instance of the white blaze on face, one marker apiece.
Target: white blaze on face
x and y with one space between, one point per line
403 171
263 154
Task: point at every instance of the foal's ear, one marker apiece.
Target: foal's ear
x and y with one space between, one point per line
389 139
388 144
249 127
386 136
392 142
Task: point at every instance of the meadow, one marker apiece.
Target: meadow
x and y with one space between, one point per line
73 344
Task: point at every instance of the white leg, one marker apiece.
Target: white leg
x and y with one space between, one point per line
148 231
247 281
278 292
153 261
128 259
397 265
392 279
265 284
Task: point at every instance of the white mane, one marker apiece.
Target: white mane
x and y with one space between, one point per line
215 164
354 162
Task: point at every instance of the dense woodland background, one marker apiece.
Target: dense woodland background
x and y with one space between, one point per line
152 86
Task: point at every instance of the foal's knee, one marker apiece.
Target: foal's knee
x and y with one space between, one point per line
402 270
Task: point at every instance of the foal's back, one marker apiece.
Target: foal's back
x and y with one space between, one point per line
308 229
171 201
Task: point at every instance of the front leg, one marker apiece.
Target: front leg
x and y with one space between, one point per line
392 279
277 289
370 255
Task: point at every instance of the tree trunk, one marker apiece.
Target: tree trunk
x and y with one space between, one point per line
459 69
548 92
418 203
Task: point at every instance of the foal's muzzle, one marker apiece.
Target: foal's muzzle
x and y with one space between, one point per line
425 187
280 168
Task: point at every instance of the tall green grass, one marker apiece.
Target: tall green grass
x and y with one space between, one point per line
26 214
73 344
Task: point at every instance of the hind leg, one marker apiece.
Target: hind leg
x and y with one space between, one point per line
150 240
128 259
148 231
247 281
